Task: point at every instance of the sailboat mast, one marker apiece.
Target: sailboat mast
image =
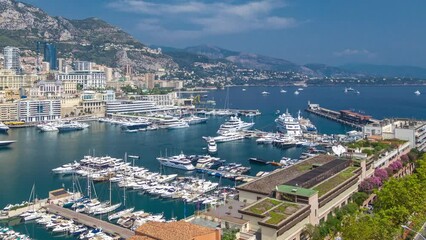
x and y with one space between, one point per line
110 191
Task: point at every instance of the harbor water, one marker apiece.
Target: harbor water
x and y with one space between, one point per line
30 160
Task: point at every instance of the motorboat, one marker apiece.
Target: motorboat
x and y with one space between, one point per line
195 119
306 124
178 125
296 92
120 214
212 146
180 162
283 91
71 126
6 143
264 93
417 92
3 127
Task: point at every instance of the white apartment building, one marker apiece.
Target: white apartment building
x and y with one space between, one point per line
87 79
161 100
405 129
39 110
11 58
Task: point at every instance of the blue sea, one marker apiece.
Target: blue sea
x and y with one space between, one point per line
30 160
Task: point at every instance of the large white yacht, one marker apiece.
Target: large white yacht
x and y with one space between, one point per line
234 124
180 161
228 137
288 124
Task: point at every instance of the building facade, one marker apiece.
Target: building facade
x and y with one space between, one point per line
86 79
127 106
47 89
39 110
11 59
8 112
82 66
161 100
10 80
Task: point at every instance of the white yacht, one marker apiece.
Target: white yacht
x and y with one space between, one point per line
283 91
212 146
289 125
179 124
71 126
296 92
180 161
3 127
306 124
195 119
417 92
228 137
234 124
265 93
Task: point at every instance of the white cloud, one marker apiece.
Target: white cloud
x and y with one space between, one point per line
354 52
204 19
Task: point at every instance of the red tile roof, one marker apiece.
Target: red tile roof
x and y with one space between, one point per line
180 230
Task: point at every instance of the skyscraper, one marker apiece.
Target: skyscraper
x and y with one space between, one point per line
50 55
11 59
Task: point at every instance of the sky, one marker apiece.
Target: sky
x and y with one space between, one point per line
333 32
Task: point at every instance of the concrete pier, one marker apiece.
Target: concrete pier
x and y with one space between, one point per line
107 227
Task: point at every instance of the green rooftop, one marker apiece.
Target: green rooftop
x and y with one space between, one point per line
333 182
263 206
274 211
298 191
282 212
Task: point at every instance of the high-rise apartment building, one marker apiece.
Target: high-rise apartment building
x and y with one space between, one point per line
50 55
11 59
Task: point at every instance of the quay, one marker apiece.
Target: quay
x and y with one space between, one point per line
236 177
345 117
234 111
86 220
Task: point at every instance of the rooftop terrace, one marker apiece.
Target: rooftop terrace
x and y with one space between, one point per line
265 185
273 211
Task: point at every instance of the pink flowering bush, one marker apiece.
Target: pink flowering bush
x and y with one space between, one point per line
382 174
370 183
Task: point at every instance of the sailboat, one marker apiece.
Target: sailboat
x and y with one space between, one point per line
107 209
31 214
225 111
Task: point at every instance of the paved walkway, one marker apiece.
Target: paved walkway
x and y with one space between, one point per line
90 221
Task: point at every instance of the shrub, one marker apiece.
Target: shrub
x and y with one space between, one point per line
382 174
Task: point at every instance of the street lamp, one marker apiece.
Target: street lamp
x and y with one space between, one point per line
406 227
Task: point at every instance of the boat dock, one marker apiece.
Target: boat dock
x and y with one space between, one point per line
17 212
84 219
212 111
346 117
224 174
